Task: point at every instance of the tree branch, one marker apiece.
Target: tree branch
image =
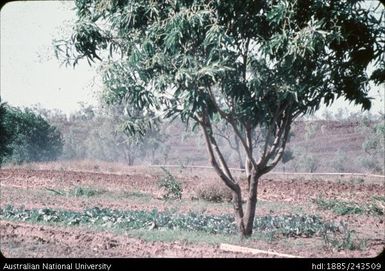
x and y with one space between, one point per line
278 151
230 119
229 181
222 160
277 114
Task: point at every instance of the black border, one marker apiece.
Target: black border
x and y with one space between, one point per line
212 264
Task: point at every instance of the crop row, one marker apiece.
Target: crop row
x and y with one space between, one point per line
287 225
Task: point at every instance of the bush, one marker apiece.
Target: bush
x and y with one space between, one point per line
173 188
371 163
5 135
31 137
348 240
339 161
304 161
213 191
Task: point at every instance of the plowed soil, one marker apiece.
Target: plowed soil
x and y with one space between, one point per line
138 190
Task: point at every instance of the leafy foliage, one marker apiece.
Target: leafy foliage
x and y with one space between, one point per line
99 134
346 208
339 161
257 65
5 149
30 137
372 127
173 188
296 51
287 225
347 240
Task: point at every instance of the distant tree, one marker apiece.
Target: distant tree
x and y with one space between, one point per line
31 137
373 145
339 163
304 160
100 134
5 135
257 65
311 130
146 145
287 156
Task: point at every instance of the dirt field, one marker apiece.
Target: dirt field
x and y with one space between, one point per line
136 189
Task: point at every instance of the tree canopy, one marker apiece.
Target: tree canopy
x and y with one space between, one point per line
4 134
255 64
30 138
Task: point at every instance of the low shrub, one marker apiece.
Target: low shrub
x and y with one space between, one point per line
348 240
172 187
213 192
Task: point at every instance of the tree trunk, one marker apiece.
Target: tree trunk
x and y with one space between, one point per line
248 168
237 149
130 160
238 209
249 216
241 165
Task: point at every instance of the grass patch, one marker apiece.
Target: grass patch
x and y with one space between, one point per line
135 194
345 208
78 191
339 207
379 198
56 192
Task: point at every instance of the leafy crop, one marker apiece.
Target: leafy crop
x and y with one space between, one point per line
345 208
294 225
287 225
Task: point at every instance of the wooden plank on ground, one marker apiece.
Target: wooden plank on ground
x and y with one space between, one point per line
233 248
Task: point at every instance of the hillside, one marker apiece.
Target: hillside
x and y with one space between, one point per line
324 141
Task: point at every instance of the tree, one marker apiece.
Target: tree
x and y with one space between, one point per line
31 137
373 145
5 149
257 65
99 133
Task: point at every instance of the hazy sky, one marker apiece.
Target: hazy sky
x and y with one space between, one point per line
31 74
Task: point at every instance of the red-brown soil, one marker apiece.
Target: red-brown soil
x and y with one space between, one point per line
278 195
